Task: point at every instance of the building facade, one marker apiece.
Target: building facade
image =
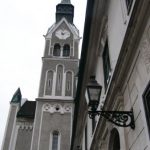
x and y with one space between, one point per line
116 50
46 124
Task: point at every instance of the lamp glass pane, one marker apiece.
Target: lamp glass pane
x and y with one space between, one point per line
94 94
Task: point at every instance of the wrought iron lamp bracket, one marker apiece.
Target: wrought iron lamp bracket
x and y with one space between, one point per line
119 118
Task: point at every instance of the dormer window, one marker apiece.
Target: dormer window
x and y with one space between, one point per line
56 51
66 50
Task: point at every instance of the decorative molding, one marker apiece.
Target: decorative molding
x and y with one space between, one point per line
57 108
25 126
60 58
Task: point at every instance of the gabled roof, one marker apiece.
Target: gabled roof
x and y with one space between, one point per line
72 28
27 110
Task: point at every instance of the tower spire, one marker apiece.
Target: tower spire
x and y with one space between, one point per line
65 9
65 2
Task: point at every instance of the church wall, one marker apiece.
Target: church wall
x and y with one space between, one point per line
52 115
24 136
35 135
10 128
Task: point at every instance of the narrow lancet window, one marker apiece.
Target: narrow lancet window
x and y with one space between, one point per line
55 140
49 83
68 89
59 80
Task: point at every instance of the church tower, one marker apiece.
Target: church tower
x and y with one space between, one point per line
54 108
46 124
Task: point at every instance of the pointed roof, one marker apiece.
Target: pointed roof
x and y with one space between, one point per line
17 96
65 2
65 9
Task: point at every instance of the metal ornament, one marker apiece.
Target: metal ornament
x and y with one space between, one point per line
119 118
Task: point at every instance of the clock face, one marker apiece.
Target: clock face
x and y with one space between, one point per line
62 34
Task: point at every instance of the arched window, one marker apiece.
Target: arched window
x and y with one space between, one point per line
66 50
59 80
55 140
114 143
49 83
68 88
56 51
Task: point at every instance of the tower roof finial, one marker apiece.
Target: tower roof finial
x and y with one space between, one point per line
65 2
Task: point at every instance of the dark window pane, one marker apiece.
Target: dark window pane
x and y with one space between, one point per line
66 50
114 142
146 101
106 65
55 141
56 51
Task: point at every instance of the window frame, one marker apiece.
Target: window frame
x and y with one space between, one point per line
106 65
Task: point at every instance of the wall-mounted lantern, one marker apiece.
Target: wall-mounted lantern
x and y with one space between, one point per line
119 118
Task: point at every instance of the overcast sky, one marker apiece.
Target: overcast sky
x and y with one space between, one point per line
22 26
